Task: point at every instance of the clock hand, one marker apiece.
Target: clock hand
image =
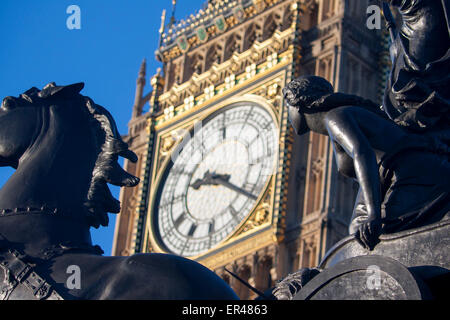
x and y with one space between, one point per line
233 187
209 179
198 183
206 180
222 179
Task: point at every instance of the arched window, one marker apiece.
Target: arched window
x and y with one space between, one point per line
194 65
263 279
310 17
250 37
309 254
226 278
241 290
269 27
232 45
213 55
315 178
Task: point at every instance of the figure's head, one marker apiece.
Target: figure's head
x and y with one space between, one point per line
300 95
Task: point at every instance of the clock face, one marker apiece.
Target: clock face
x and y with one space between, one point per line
215 177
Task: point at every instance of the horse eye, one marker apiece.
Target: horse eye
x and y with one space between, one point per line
9 103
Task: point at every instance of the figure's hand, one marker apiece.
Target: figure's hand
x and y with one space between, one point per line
369 233
287 288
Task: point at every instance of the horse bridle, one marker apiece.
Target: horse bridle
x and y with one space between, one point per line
45 210
20 275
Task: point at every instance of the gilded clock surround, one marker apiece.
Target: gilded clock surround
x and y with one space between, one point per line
167 141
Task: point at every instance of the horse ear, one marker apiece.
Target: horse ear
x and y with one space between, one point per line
9 103
51 90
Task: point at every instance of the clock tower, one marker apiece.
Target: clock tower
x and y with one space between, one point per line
224 179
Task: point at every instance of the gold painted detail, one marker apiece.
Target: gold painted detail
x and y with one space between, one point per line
194 41
212 13
280 208
168 143
212 31
141 193
260 216
169 112
149 248
250 11
231 21
260 5
272 92
176 103
230 82
189 103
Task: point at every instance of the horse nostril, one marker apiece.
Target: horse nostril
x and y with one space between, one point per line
9 103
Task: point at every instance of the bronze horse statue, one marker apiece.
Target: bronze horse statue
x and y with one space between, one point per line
65 149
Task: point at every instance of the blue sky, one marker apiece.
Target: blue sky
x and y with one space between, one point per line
105 54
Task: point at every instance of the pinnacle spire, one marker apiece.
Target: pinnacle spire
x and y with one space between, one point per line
140 83
174 7
143 68
162 28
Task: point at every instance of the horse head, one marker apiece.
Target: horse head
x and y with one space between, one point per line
65 149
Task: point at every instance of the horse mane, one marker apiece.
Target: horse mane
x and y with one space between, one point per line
109 145
107 169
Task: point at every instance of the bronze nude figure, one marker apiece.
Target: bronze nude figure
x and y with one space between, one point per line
379 154
399 153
